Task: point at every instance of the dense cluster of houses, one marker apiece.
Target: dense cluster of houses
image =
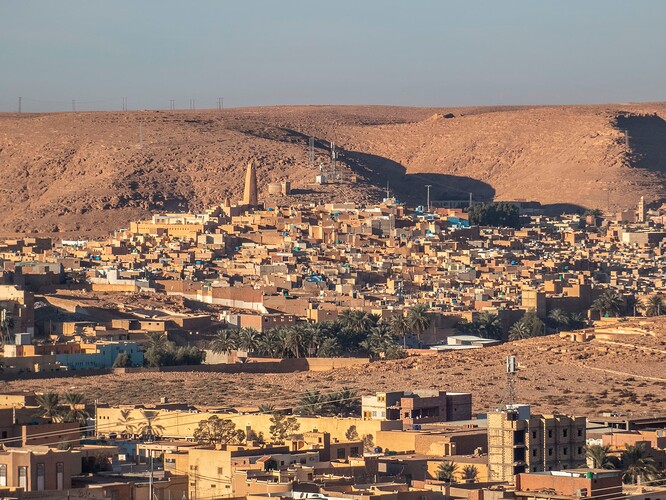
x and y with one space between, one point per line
401 445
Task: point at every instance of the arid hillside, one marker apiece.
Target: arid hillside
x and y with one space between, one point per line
89 173
555 375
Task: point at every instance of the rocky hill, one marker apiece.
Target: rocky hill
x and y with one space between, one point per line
89 173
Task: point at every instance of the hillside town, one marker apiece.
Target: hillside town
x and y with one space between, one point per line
257 286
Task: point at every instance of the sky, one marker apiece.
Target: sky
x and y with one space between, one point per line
277 52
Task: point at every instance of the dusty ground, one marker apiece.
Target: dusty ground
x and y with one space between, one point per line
89 173
555 375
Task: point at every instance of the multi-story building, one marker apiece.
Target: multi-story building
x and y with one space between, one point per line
519 441
418 407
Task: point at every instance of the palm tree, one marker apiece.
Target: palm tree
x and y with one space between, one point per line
6 325
77 408
156 341
637 465
520 331
356 321
49 406
655 305
599 457
489 325
560 318
224 342
418 320
446 471
248 339
470 473
609 303
269 343
577 320
400 327
312 403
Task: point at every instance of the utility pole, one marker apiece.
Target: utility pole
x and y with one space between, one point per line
150 481
73 105
20 98
172 103
428 186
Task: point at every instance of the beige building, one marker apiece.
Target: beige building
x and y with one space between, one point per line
519 442
38 468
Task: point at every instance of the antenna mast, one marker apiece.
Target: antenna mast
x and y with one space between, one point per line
510 378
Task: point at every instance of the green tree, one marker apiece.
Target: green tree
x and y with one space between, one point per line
488 326
519 331
49 406
7 325
313 403
400 327
75 408
122 360
418 320
655 305
600 458
559 318
382 344
215 430
527 327
282 426
637 465
224 341
248 339
499 214
609 303
446 471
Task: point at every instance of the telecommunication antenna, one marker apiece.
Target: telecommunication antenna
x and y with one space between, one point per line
20 99
172 103
387 190
220 103
312 152
511 369
73 104
428 186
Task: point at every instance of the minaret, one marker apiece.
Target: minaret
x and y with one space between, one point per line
250 194
641 210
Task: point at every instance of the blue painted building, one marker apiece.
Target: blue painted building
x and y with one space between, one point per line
104 357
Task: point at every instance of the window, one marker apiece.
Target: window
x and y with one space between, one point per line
341 453
534 434
40 477
3 475
550 433
550 452
565 432
23 477
580 450
534 452
565 451
580 432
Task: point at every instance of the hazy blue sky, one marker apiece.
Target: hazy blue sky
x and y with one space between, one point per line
263 52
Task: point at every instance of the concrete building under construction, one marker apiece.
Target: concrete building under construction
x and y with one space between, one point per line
519 441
